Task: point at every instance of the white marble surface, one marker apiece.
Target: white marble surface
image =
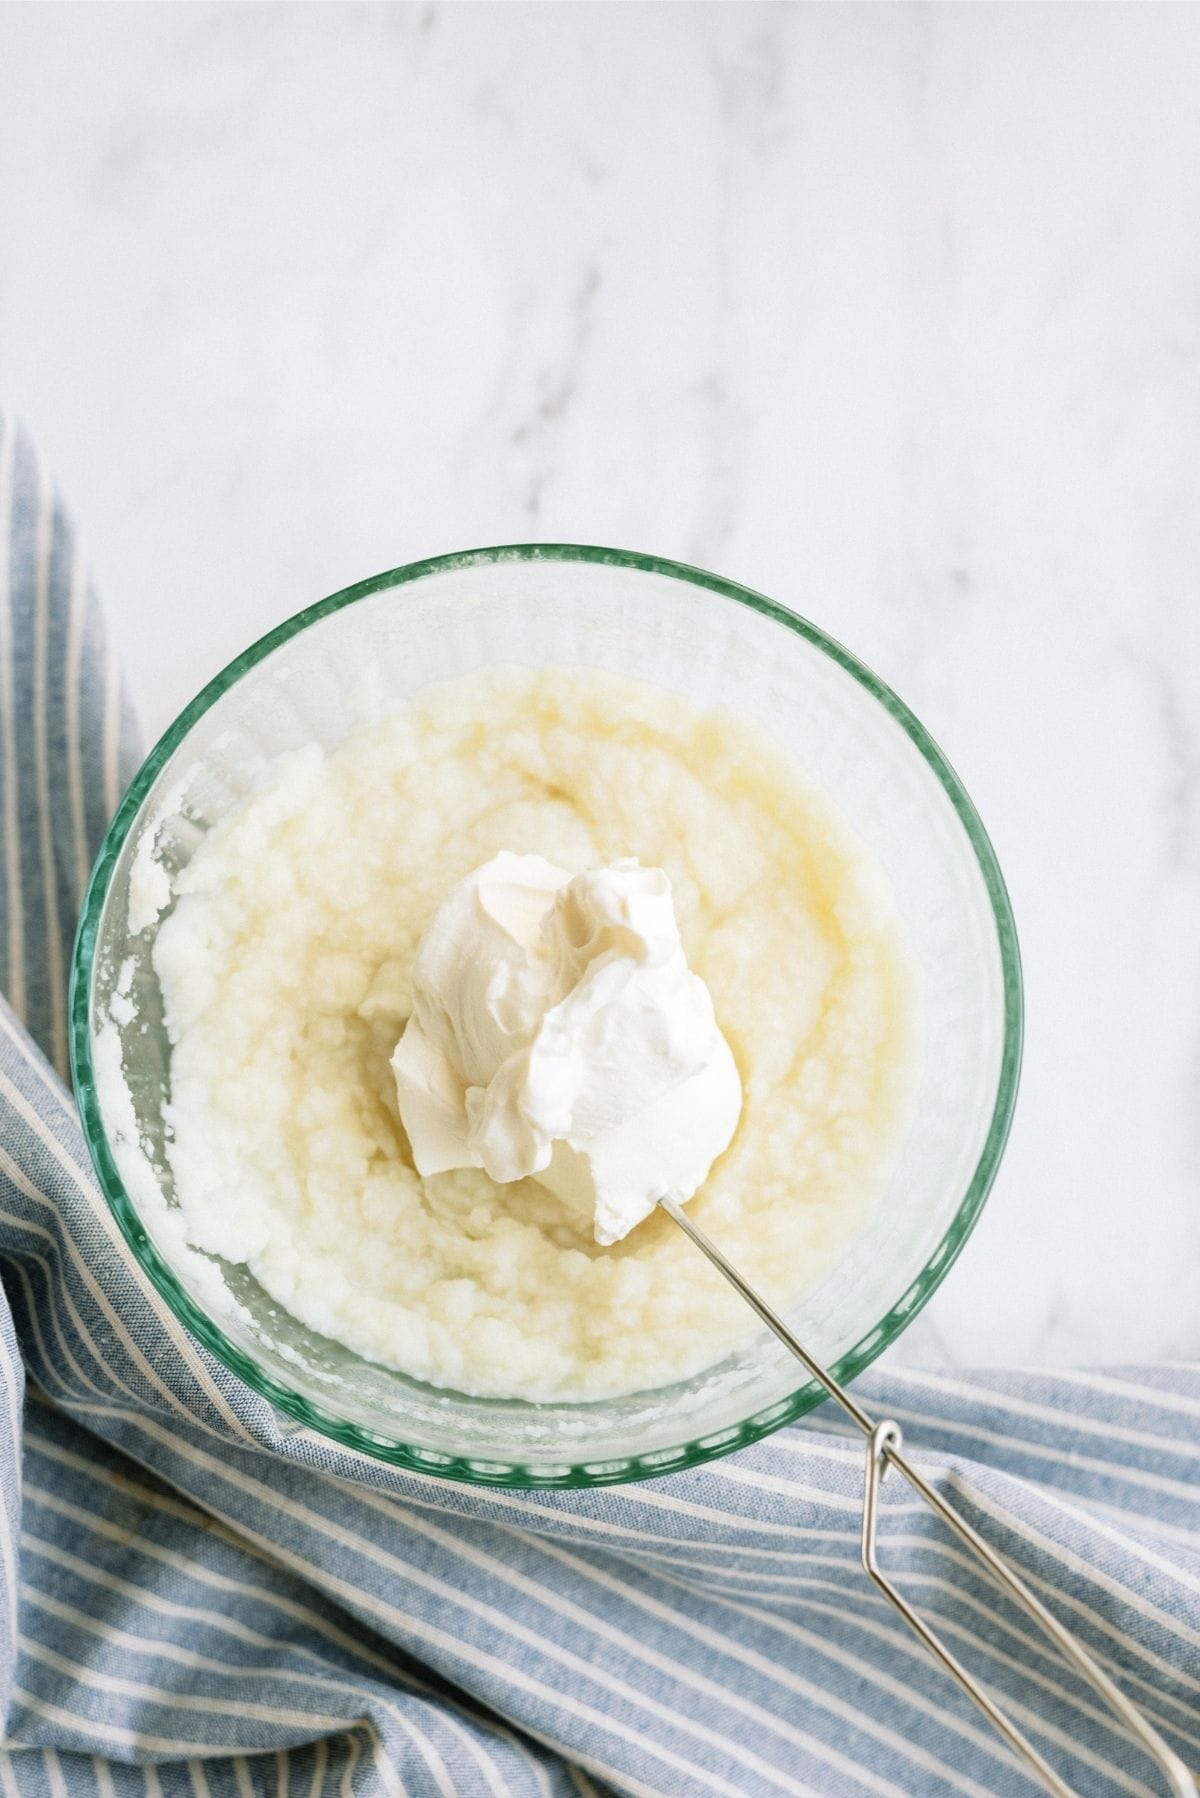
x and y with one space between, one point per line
894 313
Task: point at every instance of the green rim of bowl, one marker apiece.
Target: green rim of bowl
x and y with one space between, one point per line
581 1474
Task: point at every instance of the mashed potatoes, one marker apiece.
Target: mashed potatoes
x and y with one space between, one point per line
286 973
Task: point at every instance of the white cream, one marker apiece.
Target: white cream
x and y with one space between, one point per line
557 1031
286 963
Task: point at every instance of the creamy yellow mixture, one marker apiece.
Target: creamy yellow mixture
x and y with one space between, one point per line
286 968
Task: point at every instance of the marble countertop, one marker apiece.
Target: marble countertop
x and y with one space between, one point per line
891 312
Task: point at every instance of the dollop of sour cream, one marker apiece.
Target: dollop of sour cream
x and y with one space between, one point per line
558 1032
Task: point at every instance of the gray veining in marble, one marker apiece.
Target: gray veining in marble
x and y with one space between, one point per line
893 312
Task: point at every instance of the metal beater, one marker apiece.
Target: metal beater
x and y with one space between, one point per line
884 1442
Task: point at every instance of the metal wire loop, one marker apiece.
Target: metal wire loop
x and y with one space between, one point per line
884 1449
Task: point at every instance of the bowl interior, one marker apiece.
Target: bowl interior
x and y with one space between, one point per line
369 649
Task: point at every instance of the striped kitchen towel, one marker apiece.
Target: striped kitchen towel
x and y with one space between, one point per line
196 1601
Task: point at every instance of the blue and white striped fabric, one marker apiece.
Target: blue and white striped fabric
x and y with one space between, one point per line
197 1601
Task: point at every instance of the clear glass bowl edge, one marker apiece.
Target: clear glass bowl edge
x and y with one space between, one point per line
408 1456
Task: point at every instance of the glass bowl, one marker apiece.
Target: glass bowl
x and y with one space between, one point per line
715 643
